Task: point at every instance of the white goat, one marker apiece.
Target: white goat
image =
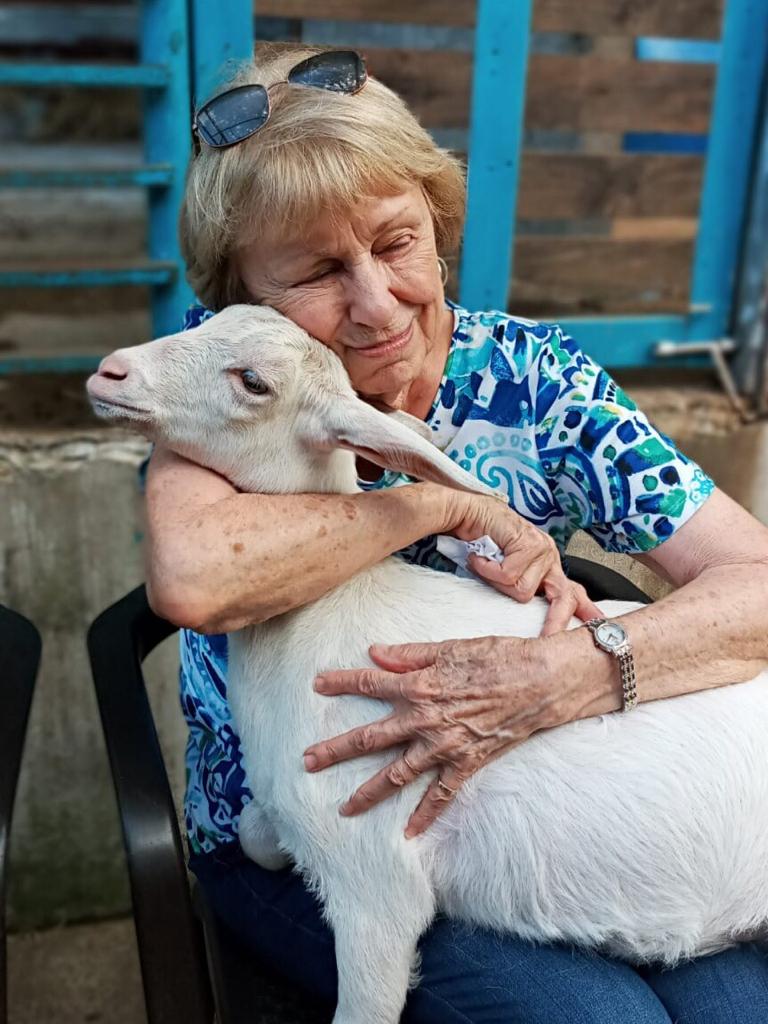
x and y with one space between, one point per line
645 835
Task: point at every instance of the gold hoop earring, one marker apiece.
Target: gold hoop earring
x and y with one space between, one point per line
443 269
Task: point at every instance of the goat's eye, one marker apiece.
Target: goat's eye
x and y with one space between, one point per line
253 383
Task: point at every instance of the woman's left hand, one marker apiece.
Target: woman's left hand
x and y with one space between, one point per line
456 705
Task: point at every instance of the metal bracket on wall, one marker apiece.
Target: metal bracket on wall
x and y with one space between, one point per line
717 351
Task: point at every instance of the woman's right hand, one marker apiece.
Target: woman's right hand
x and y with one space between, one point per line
531 560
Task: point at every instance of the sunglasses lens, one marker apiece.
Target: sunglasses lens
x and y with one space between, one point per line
233 116
337 70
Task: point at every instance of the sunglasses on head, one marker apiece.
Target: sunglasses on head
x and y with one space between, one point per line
239 113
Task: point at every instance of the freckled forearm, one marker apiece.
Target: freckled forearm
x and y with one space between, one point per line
251 557
711 632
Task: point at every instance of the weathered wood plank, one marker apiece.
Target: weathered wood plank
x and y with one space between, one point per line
614 95
585 185
67 25
436 85
589 94
692 19
689 19
421 12
626 228
555 277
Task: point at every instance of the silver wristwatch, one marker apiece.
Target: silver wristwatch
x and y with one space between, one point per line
612 637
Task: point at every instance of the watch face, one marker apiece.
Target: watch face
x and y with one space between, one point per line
611 634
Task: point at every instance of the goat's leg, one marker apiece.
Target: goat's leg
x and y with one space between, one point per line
259 840
376 931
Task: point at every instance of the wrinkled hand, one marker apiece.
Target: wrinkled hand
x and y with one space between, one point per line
456 706
531 559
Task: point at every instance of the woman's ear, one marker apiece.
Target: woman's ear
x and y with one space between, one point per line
390 441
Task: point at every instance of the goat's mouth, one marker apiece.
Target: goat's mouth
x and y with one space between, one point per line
108 408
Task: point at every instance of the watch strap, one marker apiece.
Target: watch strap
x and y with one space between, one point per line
626 662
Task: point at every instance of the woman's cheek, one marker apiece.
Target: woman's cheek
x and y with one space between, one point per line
315 310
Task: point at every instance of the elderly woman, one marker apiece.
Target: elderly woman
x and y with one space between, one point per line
316 192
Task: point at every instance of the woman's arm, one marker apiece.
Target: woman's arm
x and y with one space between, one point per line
711 631
218 560
462 703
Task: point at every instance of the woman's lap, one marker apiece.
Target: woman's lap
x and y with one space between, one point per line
472 976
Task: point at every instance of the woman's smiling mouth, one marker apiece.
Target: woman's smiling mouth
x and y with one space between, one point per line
385 348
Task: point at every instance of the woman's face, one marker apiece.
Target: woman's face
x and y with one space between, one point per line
368 286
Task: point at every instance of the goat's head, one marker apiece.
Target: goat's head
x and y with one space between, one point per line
254 397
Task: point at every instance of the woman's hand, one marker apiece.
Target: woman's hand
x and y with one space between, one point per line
456 706
531 559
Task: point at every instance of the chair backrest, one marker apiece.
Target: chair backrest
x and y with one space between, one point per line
20 647
171 950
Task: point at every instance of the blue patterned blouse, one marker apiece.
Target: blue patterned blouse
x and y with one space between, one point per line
525 410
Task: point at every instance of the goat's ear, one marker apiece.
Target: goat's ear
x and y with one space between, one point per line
412 422
390 441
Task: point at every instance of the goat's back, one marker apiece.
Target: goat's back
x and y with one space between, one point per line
650 825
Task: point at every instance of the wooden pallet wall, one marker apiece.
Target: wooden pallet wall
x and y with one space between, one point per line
599 230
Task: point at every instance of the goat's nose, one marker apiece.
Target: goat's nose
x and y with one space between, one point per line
115 367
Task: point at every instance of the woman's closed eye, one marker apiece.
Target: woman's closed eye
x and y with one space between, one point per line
393 248
397 245
318 274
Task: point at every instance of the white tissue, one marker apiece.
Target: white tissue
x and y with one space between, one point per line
459 551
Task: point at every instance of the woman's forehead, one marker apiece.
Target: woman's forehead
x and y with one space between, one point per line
369 217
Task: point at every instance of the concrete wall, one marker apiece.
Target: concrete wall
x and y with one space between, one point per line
70 544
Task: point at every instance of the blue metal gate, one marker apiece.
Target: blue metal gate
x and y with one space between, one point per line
498 91
185 44
163 74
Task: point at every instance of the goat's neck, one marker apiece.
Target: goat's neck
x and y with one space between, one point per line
299 472
334 472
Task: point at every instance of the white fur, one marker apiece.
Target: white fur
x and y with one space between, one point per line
645 834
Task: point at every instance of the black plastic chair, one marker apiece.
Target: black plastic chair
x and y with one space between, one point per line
19 661
190 961
602 583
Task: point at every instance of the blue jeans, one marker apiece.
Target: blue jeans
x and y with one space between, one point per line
473 976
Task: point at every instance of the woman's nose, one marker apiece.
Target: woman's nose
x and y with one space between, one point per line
114 366
371 303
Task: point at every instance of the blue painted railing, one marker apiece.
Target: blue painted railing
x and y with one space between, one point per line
163 72
495 150
184 46
496 132
159 175
101 75
217 41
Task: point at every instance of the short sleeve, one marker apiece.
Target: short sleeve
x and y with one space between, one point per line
610 471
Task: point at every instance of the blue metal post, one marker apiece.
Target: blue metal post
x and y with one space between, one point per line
219 39
495 146
167 135
726 179
750 319
117 76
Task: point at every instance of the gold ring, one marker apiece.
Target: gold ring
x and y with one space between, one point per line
446 788
410 766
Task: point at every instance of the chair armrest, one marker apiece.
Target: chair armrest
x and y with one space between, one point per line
20 647
170 943
602 583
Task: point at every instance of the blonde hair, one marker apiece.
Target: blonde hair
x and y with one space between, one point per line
319 152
